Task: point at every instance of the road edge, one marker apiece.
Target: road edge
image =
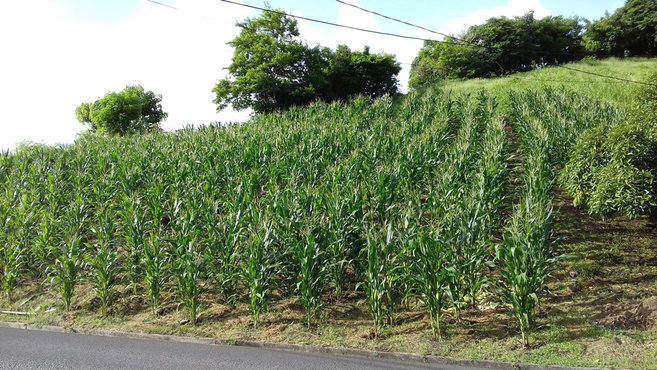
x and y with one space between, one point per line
380 355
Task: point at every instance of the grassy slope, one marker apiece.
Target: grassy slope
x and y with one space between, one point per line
617 92
596 307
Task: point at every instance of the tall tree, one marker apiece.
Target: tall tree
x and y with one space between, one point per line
273 70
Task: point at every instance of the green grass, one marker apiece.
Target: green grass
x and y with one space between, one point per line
607 90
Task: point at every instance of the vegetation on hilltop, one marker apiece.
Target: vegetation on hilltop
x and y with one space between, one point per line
273 70
500 46
630 31
132 110
507 45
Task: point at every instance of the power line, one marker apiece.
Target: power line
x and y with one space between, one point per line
337 24
461 41
162 4
393 19
606 76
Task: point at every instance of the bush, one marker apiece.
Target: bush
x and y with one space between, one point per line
631 30
131 110
500 46
613 167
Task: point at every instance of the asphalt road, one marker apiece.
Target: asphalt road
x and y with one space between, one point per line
20 349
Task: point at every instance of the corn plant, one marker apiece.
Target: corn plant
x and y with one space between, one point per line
44 249
135 228
12 260
374 285
257 270
381 274
14 253
104 268
312 274
526 256
525 263
342 232
188 271
66 271
187 266
155 269
429 262
222 255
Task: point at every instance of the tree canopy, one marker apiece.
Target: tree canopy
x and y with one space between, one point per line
501 45
272 69
631 30
128 111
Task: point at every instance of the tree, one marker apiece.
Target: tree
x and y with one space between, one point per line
500 46
273 70
128 111
631 30
360 73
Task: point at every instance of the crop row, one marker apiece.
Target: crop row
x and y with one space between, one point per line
399 200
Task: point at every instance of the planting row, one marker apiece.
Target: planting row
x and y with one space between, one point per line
397 199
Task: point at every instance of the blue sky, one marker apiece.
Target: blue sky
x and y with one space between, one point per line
427 12
64 52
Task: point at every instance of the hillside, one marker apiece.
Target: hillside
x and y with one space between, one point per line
395 225
609 90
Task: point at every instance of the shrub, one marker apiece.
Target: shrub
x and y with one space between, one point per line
613 167
131 110
500 46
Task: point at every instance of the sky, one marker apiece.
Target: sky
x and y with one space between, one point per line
55 54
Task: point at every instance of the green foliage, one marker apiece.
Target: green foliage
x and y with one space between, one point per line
134 231
187 264
526 255
105 268
370 197
613 166
156 270
258 269
352 73
222 254
498 47
430 273
630 31
66 270
273 70
12 260
132 110
312 278
375 284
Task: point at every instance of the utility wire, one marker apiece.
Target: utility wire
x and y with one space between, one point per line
461 42
163 4
337 24
393 19
606 76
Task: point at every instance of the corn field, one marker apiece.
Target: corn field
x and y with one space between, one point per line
401 200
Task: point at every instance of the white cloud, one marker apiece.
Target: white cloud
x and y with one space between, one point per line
52 60
512 9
